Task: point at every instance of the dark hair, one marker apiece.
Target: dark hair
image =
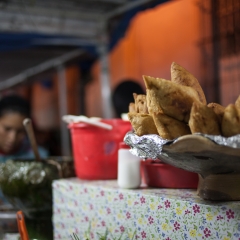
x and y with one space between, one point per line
16 104
123 95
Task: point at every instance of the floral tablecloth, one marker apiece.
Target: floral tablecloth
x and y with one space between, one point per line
92 207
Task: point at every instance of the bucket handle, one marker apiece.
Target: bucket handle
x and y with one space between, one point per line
84 119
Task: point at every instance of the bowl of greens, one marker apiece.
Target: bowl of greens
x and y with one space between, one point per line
27 184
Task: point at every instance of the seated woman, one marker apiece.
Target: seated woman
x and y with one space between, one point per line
13 140
14 143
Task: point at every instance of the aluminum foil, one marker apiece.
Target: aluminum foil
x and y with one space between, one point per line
233 141
147 146
150 146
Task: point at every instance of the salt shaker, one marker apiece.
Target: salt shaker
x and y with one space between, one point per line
128 168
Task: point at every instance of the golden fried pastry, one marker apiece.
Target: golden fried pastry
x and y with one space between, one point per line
203 120
170 128
152 104
140 103
218 109
181 76
142 124
231 121
131 107
172 99
237 103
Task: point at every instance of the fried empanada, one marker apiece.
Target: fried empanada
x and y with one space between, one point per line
172 99
152 104
203 120
231 121
170 128
142 124
131 107
237 103
218 109
140 103
181 76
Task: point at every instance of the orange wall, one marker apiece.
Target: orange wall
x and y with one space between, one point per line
73 76
155 38
93 94
45 102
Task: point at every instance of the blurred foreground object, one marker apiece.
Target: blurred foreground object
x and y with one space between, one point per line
22 226
27 184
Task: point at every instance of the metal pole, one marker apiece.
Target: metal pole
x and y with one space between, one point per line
104 72
216 54
62 96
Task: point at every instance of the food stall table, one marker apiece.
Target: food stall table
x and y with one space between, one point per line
90 208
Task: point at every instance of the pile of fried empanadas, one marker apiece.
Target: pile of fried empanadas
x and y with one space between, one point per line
176 107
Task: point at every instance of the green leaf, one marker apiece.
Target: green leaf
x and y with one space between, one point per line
87 233
101 237
106 233
134 234
120 236
229 234
114 238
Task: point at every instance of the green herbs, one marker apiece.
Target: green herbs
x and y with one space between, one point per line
27 184
107 235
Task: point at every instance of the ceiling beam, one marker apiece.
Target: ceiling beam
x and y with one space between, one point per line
110 1
53 12
17 22
45 66
64 42
125 7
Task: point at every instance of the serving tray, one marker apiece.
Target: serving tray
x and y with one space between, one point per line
216 159
203 154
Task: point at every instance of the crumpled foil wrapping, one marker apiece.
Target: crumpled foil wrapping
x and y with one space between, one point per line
150 146
146 146
233 141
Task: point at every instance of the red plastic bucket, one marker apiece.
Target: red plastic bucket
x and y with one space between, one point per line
162 175
95 150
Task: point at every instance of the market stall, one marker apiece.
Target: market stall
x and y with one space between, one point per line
172 124
89 208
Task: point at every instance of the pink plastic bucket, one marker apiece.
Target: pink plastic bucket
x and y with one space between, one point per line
95 150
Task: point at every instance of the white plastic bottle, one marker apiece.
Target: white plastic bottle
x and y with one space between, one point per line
128 168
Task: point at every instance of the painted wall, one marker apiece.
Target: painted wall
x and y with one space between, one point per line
155 38
45 98
93 94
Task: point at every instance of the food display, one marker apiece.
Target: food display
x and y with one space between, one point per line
178 107
192 134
